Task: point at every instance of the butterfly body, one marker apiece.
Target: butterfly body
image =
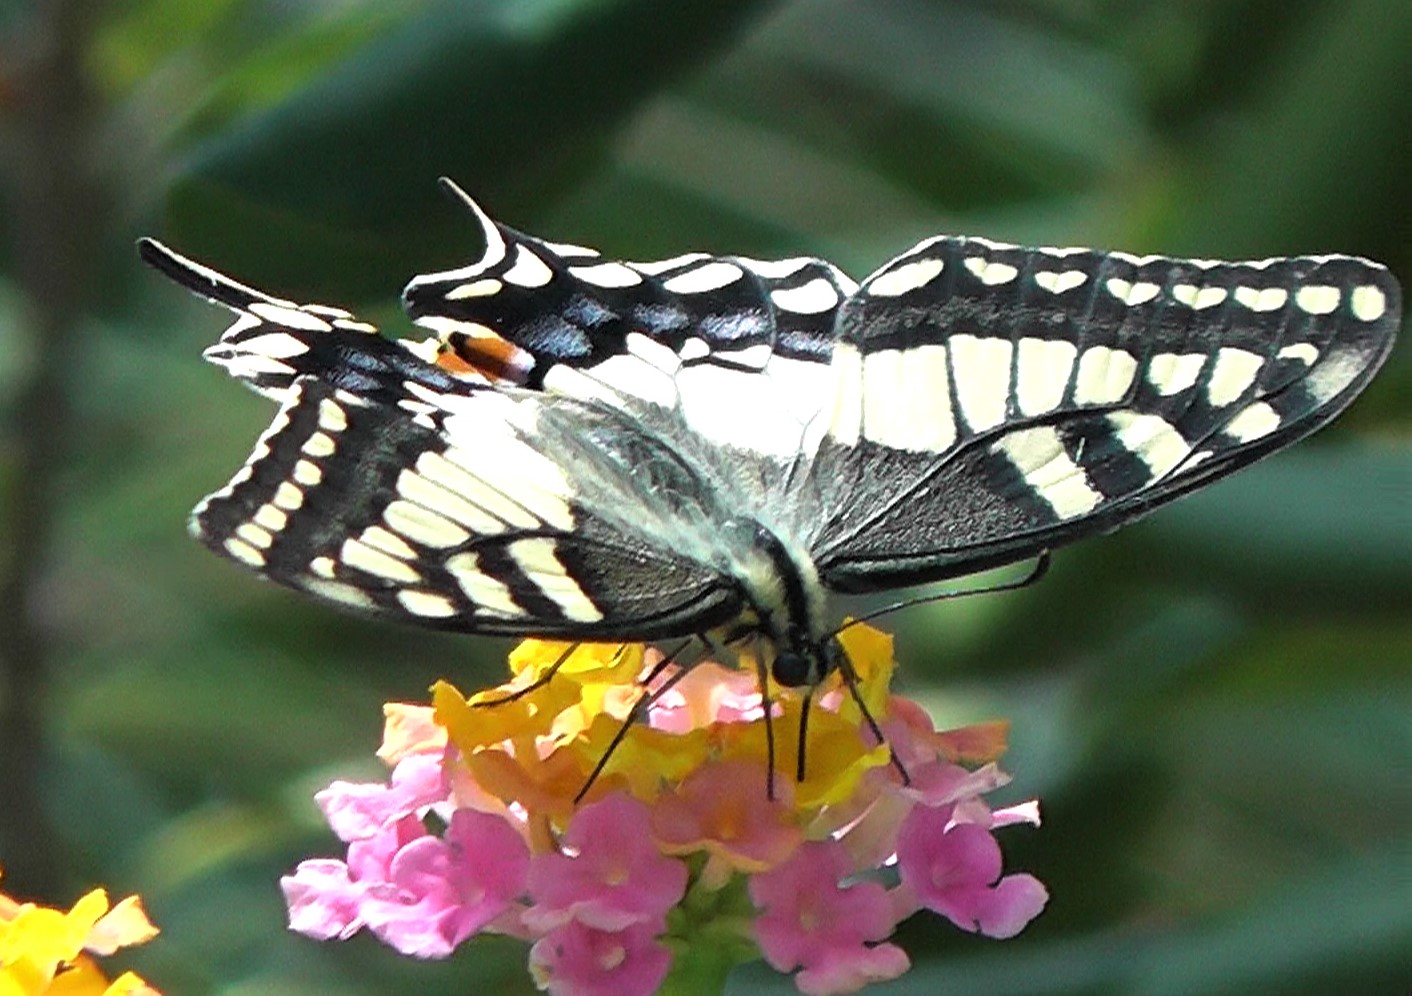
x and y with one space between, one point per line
594 449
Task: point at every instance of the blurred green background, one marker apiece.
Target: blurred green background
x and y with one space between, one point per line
1213 705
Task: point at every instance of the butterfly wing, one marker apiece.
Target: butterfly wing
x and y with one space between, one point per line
991 401
738 346
492 516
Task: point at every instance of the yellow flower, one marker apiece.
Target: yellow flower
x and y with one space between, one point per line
46 951
535 740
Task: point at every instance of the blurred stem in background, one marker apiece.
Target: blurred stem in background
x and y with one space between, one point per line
56 207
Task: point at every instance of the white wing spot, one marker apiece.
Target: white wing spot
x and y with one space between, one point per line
817 296
1304 352
425 489
607 275
319 445
657 267
1131 293
1269 299
905 278
388 542
324 567
307 473
1104 376
569 249
656 354
426 603
1333 376
1151 439
529 270
695 349
278 314
906 399
541 490
485 591
1044 367
1173 373
338 591
1368 303
270 518
356 553
1317 299
774 269
701 279
1059 283
981 370
485 287
537 558
422 525
1253 422
846 417
247 366
280 345
255 535
990 273
1231 377
244 552
1039 455
331 416
1199 298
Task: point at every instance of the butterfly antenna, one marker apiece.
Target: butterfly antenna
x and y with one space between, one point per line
850 679
644 702
1035 573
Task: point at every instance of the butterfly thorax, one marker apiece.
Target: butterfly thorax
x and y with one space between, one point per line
785 604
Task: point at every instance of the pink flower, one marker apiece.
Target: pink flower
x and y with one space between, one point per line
954 869
710 693
577 960
830 932
356 810
723 809
325 896
609 873
440 891
420 894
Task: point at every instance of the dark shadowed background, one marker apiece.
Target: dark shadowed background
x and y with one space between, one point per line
1213 705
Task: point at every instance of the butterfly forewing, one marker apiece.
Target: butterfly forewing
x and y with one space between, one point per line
993 401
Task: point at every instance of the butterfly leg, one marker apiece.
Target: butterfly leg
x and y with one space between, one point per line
803 732
538 683
639 708
762 675
850 680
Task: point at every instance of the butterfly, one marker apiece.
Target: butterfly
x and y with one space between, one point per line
603 450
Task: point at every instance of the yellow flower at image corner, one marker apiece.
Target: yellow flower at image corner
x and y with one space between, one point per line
43 950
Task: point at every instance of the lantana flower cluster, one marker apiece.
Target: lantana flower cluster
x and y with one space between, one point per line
50 951
679 861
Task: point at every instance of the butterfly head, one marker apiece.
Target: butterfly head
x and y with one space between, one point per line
803 663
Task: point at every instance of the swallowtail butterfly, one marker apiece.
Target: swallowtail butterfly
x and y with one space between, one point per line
597 450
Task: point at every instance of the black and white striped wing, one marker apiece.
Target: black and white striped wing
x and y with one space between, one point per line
738 347
993 401
487 518
274 342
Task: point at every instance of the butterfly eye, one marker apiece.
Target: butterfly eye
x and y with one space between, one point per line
791 669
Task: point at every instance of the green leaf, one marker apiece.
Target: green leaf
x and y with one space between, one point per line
332 194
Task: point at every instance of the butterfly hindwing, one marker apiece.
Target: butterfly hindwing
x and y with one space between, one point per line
366 506
994 401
